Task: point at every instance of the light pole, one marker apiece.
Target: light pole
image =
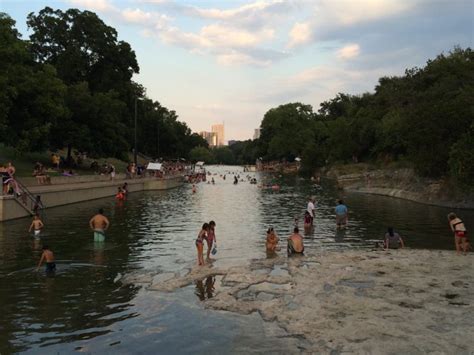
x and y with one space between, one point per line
135 145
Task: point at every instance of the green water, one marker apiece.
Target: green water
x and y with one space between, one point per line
85 306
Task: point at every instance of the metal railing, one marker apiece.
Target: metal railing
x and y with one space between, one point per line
31 203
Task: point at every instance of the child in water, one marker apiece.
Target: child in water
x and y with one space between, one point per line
272 240
49 257
200 243
36 226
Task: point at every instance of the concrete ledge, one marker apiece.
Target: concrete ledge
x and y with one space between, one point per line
65 194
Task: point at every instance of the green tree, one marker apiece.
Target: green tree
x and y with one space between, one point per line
201 154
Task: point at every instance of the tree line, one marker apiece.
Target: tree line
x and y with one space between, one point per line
70 86
424 118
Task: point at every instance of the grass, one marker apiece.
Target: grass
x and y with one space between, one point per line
25 162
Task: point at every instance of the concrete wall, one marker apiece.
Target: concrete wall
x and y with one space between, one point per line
64 194
11 209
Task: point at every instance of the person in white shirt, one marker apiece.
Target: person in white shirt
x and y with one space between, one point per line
310 208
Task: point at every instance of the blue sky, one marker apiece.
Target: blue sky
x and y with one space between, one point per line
231 61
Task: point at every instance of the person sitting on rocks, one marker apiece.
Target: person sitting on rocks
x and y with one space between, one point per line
393 240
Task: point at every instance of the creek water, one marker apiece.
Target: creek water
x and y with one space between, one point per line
86 308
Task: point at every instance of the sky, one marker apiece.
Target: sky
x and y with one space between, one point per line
231 61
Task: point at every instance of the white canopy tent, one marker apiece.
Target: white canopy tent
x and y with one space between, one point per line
200 163
154 166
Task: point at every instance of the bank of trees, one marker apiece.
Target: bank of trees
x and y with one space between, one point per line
425 117
70 85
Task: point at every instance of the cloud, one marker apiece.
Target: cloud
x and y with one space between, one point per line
94 5
349 51
349 12
137 16
301 33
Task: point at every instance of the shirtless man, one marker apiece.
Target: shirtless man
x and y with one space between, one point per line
49 257
99 224
36 226
295 243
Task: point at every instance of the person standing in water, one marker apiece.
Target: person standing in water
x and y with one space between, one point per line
199 243
99 224
461 241
36 226
341 214
211 238
310 208
48 256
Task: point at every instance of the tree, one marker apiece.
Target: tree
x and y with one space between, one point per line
82 48
32 98
201 154
284 131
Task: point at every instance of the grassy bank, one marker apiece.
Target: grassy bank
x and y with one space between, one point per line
25 162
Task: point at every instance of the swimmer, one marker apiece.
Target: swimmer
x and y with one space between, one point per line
461 240
49 257
272 240
308 221
393 240
120 195
341 214
99 224
211 238
36 226
199 243
295 243
194 189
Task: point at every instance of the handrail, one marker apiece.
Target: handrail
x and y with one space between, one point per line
26 198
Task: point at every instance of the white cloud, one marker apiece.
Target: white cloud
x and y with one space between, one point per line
301 33
236 58
94 5
137 16
348 12
349 51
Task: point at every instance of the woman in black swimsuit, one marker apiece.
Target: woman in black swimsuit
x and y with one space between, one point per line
199 242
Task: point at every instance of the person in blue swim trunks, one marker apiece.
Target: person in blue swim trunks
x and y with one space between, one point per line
47 256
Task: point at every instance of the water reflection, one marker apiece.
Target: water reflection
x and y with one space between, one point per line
155 231
205 288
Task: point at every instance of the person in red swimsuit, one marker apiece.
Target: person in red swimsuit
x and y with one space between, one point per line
460 233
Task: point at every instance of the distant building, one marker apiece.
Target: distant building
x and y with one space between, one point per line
233 141
256 133
210 137
218 129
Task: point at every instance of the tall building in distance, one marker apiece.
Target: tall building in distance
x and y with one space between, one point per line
256 133
210 137
218 129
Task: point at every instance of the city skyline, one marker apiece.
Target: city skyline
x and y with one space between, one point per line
238 59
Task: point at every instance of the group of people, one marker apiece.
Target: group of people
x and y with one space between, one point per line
208 234
295 244
122 192
98 224
7 174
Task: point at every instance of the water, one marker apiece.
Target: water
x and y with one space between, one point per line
86 307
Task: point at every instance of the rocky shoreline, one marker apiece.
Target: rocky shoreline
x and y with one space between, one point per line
404 301
400 183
